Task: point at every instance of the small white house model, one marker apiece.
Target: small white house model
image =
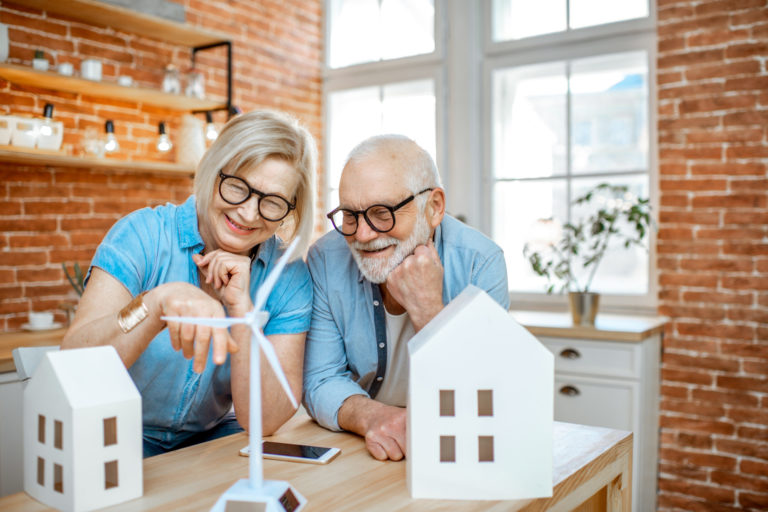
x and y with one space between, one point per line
480 405
82 431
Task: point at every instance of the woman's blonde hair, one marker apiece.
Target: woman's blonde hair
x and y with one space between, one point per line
249 139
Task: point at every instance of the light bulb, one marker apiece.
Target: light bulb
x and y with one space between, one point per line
46 128
110 144
210 129
164 143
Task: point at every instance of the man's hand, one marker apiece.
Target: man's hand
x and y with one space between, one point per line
417 284
383 426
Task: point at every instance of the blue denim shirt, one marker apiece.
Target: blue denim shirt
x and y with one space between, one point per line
346 347
150 247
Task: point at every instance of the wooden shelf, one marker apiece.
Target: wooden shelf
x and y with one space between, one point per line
32 157
98 13
49 80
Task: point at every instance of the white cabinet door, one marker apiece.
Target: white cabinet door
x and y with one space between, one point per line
597 402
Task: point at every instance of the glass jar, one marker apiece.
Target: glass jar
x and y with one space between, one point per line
195 84
171 83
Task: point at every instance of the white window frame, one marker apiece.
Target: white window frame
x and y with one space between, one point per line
615 37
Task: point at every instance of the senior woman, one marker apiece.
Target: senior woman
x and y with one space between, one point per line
207 257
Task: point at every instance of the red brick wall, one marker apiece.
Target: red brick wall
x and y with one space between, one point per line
713 254
50 215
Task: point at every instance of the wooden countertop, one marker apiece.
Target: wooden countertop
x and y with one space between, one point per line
592 471
12 340
607 326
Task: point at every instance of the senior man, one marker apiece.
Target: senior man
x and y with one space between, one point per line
393 262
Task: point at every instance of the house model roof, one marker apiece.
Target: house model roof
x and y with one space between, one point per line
90 377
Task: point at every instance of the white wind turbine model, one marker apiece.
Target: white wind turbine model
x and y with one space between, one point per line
255 493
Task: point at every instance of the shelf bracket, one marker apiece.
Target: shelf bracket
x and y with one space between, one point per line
231 109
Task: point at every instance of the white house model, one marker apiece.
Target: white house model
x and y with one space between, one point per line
480 405
82 431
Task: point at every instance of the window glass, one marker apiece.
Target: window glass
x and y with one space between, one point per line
530 121
518 19
372 30
609 120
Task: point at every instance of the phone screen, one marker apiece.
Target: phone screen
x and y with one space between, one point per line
294 450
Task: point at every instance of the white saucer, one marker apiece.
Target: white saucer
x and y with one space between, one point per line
54 325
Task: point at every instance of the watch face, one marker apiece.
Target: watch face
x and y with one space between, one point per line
289 501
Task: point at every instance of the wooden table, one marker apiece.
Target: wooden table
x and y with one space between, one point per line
592 468
12 340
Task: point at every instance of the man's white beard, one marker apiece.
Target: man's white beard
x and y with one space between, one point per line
376 270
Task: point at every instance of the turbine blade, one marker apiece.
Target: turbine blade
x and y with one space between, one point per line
269 351
210 322
266 287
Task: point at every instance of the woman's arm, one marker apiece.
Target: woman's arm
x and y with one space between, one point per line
276 406
95 322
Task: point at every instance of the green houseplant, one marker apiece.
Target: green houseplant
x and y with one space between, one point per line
570 263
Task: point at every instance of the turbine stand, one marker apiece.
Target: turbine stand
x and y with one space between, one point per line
273 496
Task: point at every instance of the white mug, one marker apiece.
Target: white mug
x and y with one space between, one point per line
40 320
66 69
90 69
25 132
6 129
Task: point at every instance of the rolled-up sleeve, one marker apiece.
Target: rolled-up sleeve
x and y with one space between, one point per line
491 276
328 381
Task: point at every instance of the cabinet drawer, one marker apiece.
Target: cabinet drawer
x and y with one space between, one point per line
597 402
595 358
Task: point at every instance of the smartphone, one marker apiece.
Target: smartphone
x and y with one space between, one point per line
295 452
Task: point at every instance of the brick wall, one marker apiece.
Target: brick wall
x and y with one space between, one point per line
713 254
50 214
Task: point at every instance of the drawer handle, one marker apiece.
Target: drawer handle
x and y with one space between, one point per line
570 353
570 391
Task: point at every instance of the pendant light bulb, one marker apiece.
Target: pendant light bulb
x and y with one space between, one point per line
164 143
46 128
110 144
210 129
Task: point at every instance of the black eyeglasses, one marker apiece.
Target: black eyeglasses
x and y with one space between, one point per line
235 190
380 217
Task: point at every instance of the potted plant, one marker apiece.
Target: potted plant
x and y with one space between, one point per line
76 279
617 218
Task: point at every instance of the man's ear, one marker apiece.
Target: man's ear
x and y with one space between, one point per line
435 208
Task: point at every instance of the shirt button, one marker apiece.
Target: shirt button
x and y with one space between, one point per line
375 303
379 379
381 345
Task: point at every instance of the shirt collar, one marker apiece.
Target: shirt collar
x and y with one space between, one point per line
189 232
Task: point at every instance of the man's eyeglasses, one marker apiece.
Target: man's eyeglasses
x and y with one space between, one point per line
235 190
380 217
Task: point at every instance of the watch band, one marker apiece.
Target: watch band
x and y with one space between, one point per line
133 314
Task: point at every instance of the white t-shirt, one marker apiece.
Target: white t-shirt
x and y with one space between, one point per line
394 388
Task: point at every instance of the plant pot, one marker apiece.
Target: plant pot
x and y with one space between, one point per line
583 307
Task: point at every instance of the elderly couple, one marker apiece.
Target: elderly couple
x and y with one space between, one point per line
339 323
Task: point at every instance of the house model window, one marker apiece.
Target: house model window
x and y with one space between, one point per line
41 428
58 478
57 434
447 448
447 407
485 402
40 471
110 431
110 474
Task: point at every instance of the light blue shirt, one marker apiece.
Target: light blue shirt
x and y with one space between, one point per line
153 246
346 351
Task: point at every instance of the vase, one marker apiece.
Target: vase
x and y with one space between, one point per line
583 307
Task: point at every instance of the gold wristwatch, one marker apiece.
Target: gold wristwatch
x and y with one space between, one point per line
133 314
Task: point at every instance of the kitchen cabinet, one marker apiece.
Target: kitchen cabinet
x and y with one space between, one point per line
609 376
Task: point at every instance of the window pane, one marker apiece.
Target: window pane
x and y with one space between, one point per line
485 448
622 271
609 121
485 402
409 109
516 19
58 434
447 449
408 28
586 13
518 206
447 402
110 431
529 108
369 30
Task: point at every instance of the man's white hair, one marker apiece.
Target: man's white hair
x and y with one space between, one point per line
421 171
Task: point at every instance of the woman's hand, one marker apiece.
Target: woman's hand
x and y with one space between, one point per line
183 299
230 276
